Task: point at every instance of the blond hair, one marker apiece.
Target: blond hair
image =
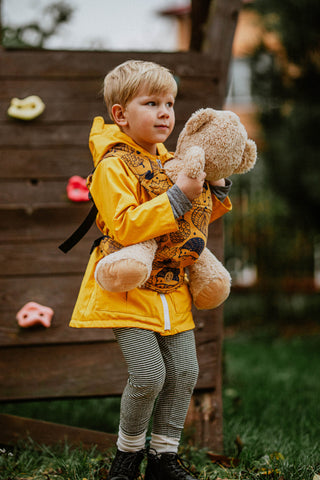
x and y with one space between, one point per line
123 82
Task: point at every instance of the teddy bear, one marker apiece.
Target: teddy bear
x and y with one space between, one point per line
214 141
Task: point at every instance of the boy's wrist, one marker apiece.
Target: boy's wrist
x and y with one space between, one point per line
221 192
218 183
179 202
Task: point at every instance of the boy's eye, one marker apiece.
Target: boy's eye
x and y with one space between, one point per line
154 103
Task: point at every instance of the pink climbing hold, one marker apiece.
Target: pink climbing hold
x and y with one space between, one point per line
77 189
34 314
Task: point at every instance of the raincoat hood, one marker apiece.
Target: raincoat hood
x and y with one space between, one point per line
105 136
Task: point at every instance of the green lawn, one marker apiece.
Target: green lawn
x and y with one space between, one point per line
272 401
271 418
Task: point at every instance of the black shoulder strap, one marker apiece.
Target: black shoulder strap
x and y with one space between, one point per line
81 231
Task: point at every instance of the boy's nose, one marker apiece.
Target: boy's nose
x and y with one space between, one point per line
163 112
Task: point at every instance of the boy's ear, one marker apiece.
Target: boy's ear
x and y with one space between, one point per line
119 116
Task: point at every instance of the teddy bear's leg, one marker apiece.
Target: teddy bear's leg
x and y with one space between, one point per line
127 268
209 281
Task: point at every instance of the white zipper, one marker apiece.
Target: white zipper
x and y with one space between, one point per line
167 323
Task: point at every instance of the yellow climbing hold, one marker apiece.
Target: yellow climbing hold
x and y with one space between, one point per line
27 108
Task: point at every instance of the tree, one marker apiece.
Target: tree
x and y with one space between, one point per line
34 35
286 79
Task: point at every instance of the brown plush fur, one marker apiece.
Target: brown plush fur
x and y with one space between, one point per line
220 138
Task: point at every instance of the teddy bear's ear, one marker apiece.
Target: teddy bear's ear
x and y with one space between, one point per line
199 118
249 157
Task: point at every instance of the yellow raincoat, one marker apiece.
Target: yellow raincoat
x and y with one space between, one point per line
128 215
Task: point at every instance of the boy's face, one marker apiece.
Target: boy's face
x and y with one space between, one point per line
148 119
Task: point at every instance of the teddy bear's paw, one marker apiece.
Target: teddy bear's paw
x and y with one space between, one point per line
127 268
121 275
209 281
212 295
194 161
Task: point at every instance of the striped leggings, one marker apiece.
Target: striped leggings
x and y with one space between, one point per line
163 371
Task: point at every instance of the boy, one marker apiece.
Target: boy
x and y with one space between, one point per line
153 327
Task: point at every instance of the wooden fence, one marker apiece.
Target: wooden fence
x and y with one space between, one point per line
37 159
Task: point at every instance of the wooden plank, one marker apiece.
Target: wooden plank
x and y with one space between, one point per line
215 238
14 429
87 91
59 332
33 194
76 111
11 334
204 420
21 225
42 258
81 64
54 291
45 163
207 322
58 289
26 135
62 371
68 110
31 135
52 90
54 156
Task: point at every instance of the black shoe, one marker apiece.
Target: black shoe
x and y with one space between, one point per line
167 466
125 465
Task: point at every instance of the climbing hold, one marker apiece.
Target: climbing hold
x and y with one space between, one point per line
34 314
77 189
27 108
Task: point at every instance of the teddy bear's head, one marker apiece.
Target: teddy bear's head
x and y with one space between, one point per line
224 140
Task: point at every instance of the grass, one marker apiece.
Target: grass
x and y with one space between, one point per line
100 414
271 419
272 403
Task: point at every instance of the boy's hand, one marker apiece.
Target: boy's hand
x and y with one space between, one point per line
218 183
191 187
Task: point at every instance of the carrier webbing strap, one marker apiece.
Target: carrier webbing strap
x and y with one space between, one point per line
80 232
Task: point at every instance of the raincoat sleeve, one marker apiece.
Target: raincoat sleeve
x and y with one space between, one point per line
221 203
219 208
126 212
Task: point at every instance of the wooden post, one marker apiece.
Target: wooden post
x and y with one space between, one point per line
221 25
15 428
199 16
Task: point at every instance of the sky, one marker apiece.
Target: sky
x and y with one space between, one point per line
103 24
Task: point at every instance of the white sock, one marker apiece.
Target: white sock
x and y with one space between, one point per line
130 443
164 444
